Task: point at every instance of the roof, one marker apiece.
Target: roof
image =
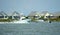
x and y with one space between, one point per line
3 13
33 13
17 14
57 13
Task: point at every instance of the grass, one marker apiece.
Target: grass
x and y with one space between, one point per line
32 19
6 20
54 19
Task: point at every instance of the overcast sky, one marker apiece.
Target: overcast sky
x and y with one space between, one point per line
26 6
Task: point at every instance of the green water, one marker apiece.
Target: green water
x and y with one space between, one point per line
33 28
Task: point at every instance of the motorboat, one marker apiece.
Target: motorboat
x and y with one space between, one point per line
22 20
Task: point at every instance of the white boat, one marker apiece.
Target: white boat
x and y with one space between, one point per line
21 20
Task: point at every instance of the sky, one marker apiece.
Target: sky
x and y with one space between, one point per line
26 6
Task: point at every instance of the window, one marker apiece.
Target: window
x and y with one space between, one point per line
1 16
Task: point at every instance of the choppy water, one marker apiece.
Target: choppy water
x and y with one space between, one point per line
40 28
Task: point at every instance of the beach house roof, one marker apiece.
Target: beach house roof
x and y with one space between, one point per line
48 14
15 14
3 13
57 13
33 13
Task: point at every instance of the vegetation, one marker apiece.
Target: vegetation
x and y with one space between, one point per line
32 19
55 19
42 18
7 20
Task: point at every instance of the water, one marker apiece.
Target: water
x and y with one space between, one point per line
33 28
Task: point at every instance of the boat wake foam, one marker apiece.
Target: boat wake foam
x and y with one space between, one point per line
16 22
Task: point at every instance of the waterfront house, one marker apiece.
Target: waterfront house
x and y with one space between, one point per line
3 15
15 15
47 15
56 15
34 14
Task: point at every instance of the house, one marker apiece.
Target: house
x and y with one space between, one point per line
15 15
47 15
34 14
3 15
57 14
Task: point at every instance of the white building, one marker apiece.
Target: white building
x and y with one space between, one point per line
47 14
34 13
15 15
3 15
